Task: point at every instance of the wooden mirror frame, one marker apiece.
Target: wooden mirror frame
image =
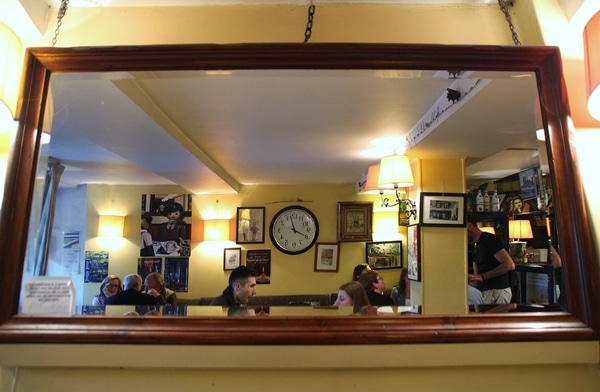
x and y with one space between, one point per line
580 275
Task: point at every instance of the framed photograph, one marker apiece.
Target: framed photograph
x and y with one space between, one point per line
443 209
413 252
384 254
527 183
232 258
327 257
355 221
250 228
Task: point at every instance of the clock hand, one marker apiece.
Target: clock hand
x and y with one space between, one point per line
294 228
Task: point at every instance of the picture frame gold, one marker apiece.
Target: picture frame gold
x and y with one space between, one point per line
355 221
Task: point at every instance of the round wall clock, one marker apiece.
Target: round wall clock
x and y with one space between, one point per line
294 230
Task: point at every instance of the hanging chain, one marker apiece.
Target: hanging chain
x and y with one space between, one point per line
311 15
504 7
64 4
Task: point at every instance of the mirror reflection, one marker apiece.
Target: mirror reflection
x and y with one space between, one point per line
181 152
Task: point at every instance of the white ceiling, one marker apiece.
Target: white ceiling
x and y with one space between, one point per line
212 133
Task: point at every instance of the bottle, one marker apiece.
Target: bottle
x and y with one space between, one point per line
479 201
495 202
486 201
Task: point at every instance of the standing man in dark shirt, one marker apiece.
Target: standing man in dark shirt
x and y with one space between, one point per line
242 287
491 265
131 294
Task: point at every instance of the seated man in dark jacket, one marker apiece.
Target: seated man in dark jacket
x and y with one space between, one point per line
242 287
131 294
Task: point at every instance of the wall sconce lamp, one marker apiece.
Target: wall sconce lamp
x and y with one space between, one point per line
591 57
111 226
11 59
392 173
518 230
216 230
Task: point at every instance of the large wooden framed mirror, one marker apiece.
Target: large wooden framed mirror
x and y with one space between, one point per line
580 321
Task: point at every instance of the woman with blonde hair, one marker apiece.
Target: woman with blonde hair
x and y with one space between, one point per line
109 286
352 294
155 286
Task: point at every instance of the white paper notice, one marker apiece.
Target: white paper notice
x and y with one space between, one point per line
49 295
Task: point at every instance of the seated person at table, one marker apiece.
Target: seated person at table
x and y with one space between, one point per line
242 287
352 294
155 286
401 292
359 269
131 294
374 285
110 286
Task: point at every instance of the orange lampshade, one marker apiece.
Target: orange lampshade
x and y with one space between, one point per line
111 226
372 183
519 229
216 230
591 47
11 60
395 172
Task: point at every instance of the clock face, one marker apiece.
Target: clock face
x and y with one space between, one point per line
294 230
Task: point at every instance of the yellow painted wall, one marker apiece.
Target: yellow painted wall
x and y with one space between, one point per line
541 366
207 278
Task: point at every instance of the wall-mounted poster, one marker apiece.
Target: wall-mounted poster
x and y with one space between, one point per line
259 260
147 265
96 266
177 271
166 228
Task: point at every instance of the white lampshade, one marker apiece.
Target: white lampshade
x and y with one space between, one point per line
519 229
11 59
395 171
591 47
111 226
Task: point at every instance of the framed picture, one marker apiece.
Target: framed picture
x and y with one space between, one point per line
327 257
413 252
443 209
384 254
259 260
527 183
232 258
250 228
355 221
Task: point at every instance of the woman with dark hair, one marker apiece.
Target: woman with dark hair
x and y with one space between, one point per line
352 294
401 292
109 286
